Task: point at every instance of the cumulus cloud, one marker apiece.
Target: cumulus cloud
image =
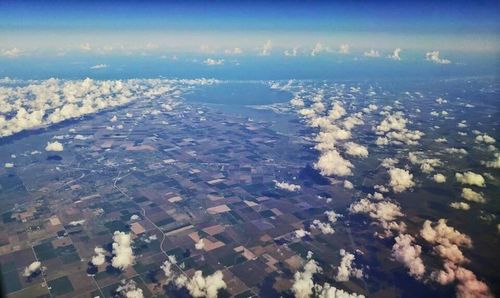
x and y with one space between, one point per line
484 138
286 186
460 205
8 165
472 196
12 52
129 289
324 227
303 283
301 233
354 149
54 146
395 54
372 53
318 48
212 62
384 212
426 164
392 130
332 163
202 286
348 184
344 49
200 244
443 234
99 66
234 51
433 56
439 178
40 103
470 178
495 163
99 258
32 268
408 253
266 48
346 269
122 250
400 179
167 268
328 291
291 53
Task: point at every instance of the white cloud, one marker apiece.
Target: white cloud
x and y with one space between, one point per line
372 53
203 286
348 184
400 179
122 249
472 196
443 234
300 233
460 205
167 268
212 62
234 51
318 48
291 53
129 289
495 163
32 268
346 268
266 48
354 149
86 47
287 186
99 66
470 178
408 253
395 54
199 245
332 163
324 227
303 283
99 258
433 56
11 53
344 49
439 178
485 139
8 165
54 146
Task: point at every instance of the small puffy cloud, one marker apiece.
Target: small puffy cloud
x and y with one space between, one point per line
344 49
484 138
32 268
266 48
400 179
408 253
301 233
460 205
303 283
354 149
286 186
470 178
472 196
318 48
234 51
11 53
332 163
54 146
8 165
372 53
495 163
395 54
122 249
348 184
99 66
129 289
439 178
346 269
134 217
291 52
433 56
212 62
199 245
99 257
86 47
325 227
201 286
443 234
167 268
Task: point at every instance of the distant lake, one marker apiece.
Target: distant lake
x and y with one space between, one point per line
238 93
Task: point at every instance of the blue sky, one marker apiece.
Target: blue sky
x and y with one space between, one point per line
219 33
